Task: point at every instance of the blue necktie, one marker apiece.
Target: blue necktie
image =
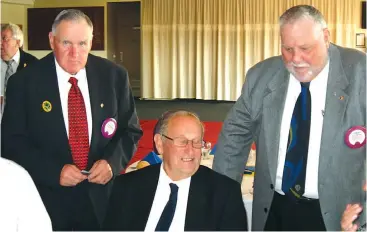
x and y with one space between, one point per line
169 210
294 174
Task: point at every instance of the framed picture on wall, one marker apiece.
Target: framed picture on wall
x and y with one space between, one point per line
360 40
40 22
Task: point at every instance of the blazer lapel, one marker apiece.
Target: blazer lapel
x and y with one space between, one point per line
196 202
336 100
49 89
94 87
145 194
273 105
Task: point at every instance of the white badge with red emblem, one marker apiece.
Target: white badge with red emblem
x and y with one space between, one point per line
109 127
355 137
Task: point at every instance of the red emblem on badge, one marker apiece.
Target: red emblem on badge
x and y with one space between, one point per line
355 137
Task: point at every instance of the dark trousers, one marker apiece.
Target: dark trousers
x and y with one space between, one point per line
290 215
75 211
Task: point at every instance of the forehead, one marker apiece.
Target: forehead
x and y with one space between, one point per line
184 125
74 30
6 32
302 31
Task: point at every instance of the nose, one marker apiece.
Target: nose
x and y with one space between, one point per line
297 57
190 147
74 51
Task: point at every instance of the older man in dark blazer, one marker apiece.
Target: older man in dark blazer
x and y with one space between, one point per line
198 197
70 120
13 58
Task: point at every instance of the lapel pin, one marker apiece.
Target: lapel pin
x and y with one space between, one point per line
341 98
46 106
25 65
102 105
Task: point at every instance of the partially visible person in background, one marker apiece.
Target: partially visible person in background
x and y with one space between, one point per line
13 58
21 207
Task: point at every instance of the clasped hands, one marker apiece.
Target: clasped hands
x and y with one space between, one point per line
100 173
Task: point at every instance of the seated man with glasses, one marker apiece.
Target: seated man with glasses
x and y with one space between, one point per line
179 194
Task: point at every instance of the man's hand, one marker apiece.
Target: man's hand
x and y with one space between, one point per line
100 173
71 175
350 214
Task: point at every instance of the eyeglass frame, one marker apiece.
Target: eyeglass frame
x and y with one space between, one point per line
186 143
6 39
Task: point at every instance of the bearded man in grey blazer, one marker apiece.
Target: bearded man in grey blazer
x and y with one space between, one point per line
333 154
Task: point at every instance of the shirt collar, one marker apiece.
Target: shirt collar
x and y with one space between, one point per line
16 58
80 76
320 78
166 180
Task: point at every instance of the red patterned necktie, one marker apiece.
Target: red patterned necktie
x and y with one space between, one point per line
78 125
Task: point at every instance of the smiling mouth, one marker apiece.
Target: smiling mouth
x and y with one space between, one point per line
187 159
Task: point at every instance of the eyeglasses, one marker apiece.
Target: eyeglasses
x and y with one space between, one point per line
5 39
182 142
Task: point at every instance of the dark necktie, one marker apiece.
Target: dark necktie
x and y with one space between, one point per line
169 210
78 125
294 174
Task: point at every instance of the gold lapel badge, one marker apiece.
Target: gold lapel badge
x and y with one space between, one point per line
102 105
341 98
46 106
25 65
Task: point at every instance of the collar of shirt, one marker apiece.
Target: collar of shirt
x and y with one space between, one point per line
16 59
64 76
165 180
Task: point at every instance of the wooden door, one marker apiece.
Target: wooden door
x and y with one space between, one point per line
124 39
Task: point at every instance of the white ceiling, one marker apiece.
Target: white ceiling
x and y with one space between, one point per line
22 2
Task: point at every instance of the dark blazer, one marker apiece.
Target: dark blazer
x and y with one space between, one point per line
25 59
214 203
38 141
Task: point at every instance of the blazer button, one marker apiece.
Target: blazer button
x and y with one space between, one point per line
271 186
265 210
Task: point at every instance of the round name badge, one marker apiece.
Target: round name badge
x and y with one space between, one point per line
109 127
355 137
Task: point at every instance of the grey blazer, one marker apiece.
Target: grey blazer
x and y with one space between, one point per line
257 115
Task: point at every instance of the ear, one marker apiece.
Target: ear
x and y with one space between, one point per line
327 37
158 143
51 39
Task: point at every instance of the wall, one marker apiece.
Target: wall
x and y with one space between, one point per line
17 13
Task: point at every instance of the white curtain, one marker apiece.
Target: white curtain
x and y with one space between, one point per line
203 48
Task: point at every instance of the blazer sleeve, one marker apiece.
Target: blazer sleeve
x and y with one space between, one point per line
236 136
123 145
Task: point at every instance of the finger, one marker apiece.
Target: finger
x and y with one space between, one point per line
94 166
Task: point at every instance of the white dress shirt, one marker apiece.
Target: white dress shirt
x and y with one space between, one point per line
64 87
21 207
4 67
161 198
318 87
